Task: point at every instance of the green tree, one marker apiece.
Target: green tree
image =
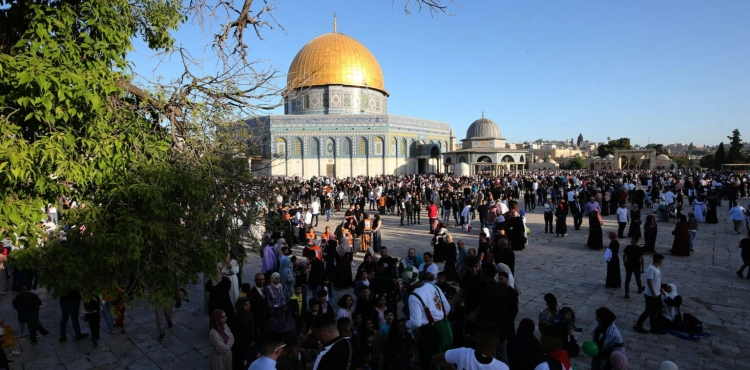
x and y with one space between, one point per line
580 140
719 157
155 167
155 163
681 162
734 155
707 161
659 148
614 145
691 146
575 163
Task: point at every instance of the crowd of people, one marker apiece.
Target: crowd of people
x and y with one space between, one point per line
407 313
410 312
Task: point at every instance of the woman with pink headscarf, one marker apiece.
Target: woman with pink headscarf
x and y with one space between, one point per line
221 340
618 361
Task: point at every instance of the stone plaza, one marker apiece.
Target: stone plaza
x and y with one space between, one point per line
563 266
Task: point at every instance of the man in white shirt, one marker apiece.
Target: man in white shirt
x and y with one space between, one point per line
652 295
308 219
737 214
428 267
470 359
315 206
670 197
622 220
270 349
428 316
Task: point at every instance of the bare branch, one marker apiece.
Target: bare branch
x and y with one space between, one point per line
434 6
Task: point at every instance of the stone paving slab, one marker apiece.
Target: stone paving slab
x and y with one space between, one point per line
563 266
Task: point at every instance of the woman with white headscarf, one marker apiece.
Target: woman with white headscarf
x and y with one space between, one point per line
230 268
501 267
670 317
276 303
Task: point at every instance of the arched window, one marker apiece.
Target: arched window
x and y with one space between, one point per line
362 147
281 147
347 150
330 147
314 148
445 147
521 160
394 145
297 149
412 147
378 147
403 148
461 159
507 159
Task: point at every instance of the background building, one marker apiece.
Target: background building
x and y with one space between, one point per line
484 150
336 120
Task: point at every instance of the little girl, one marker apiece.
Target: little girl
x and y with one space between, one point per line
378 313
369 343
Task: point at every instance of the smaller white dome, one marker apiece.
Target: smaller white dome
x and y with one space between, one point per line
662 157
550 160
609 156
540 160
596 157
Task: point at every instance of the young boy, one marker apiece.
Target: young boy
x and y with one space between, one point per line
297 306
344 325
389 317
311 316
442 283
356 323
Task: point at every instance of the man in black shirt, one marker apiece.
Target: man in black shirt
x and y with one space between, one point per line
503 254
483 210
498 304
349 214
577 209
632 260
390 264
745 254
339 352
470 290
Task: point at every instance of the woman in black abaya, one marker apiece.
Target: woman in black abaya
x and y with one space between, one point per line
614 279
595 231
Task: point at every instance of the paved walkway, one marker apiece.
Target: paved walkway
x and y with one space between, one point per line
564 266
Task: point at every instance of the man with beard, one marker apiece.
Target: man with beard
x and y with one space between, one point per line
258 303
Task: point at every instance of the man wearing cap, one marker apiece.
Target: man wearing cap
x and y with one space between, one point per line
428 312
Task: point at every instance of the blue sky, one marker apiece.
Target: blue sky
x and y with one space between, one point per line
672 71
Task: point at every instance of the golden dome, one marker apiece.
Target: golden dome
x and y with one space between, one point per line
335 59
